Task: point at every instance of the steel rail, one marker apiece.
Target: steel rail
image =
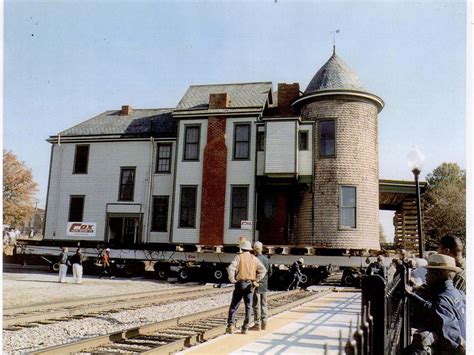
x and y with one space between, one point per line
93 310
175 334
48 305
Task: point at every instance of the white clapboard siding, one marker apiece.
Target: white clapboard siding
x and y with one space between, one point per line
280 147
188 173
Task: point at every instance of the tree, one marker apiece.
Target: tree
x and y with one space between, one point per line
382 237
19 190
445 204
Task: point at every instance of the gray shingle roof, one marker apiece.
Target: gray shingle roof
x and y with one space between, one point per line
244 95
140 123
335 75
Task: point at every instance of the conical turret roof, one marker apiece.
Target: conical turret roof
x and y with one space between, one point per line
335 75
336 78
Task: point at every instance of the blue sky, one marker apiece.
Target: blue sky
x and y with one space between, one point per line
68 61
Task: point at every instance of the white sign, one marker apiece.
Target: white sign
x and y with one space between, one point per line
81 229
246 225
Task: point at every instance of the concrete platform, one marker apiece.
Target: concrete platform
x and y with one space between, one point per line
304 330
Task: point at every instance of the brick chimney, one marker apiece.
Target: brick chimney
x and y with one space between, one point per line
217 101
126 110
287 94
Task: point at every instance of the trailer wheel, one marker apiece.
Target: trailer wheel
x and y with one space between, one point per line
129 270
162 274
348 279
55 267
218 275
183 274
304 280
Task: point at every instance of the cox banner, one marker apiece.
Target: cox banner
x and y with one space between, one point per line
81 229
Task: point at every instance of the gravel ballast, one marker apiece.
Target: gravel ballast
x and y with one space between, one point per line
27 289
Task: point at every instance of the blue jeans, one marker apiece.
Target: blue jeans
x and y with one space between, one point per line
243 289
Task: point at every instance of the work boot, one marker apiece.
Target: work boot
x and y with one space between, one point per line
255 327
244 331
229 329
264 326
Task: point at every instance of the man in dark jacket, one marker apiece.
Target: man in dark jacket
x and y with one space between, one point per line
377 268
63 264
260 306
453 246
442 308
297 274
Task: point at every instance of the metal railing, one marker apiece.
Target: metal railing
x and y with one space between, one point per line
383 326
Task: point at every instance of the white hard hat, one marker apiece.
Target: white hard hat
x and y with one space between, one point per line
246 245
301 260
107 249
258 246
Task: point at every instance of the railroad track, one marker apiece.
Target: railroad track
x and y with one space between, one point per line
174 334
32 316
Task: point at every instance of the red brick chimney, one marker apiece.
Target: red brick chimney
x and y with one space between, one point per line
126 110
287 94
217 101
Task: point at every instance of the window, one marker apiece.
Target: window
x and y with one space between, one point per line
163 159
261 141
348 206
327 138
303 140
160 214
241 141
191 143
127 184
187 210
76 208
238 205
81 159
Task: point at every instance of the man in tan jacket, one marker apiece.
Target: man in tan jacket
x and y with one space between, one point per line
245 272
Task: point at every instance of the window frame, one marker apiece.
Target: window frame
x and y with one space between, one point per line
335 138
134 169
341 207
167 198
231 210
234 145
300 133
71 197
198 126
195 187
261 144
157 163
75 160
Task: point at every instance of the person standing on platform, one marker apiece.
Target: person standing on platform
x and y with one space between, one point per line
453 247
76 261
63 263
377 268
245 271
260 306
297 274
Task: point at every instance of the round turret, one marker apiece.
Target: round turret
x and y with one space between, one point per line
346 196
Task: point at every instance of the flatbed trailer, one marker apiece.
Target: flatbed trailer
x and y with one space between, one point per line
207 265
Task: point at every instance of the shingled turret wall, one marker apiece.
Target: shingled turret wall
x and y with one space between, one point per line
355 164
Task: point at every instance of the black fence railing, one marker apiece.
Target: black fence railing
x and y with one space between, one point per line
383 326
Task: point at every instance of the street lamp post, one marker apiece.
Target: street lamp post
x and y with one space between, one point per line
415 162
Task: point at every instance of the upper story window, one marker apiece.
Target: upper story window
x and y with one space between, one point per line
348 207
127 184
160 214
163 159
303 140
239 205
191 143
81 159
187 207
242 141
327 138
261 141
76 208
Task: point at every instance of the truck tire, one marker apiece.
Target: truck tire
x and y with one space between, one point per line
219 276
55 267
348 279
183 274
